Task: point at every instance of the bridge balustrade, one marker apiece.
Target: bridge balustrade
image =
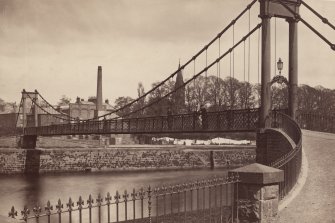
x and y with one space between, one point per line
218 121
290 162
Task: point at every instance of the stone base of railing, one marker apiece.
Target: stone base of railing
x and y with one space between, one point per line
215 214
222 215
258 193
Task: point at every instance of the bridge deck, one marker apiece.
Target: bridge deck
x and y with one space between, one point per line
223 121
316 201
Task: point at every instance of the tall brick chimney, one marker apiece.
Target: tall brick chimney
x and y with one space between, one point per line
99 90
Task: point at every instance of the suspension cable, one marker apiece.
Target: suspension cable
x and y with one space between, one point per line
248 82
206 64
298 17
245 87
233 51
275 59
195 76
258 46
220 55
243 61
323 19
204 90
62 113
219 75
183 66
249 50
53 115
194 73
230 64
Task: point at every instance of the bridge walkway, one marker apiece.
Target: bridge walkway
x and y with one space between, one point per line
316 200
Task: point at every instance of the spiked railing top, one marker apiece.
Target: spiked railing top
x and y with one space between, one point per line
135 195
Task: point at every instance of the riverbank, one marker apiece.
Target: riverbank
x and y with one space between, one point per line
123 158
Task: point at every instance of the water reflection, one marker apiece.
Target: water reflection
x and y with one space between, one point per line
37 190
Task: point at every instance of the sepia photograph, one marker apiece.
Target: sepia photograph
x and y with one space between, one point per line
167 111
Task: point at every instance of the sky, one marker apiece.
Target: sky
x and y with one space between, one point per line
55 46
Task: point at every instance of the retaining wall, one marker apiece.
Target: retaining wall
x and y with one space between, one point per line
119 159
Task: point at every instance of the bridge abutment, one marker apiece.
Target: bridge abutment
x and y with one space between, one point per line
28 141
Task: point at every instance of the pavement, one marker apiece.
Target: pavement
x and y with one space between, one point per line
315 202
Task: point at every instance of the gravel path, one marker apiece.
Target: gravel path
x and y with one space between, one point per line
316 201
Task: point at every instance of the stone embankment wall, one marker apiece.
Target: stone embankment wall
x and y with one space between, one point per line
12 160
120 159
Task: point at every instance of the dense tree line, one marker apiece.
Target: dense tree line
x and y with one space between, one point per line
229 93
215 93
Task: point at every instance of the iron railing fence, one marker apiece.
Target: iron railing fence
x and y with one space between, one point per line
290 163
219 121
210 200
317 122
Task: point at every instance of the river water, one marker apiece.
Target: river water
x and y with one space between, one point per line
20 190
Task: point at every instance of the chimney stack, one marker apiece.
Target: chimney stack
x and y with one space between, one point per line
99 90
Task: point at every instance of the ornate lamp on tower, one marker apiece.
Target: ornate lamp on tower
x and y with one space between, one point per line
280 65
279 78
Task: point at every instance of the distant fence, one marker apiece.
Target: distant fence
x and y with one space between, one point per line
290 163
210 200
316 122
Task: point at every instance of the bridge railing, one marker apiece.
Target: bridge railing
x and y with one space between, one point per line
219 121
210 200
290 163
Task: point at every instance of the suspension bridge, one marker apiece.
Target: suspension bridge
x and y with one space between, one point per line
279 136
222 120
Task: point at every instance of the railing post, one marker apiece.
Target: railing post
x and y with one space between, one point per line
185 201
141 195
80 204
149 203
125 197
48 209
133 196
37 211
59 207
108 202
117 200
99 203
69 208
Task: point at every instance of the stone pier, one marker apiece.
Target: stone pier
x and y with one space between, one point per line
258 193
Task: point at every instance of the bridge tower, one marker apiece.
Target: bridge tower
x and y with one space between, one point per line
29 142
269 9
